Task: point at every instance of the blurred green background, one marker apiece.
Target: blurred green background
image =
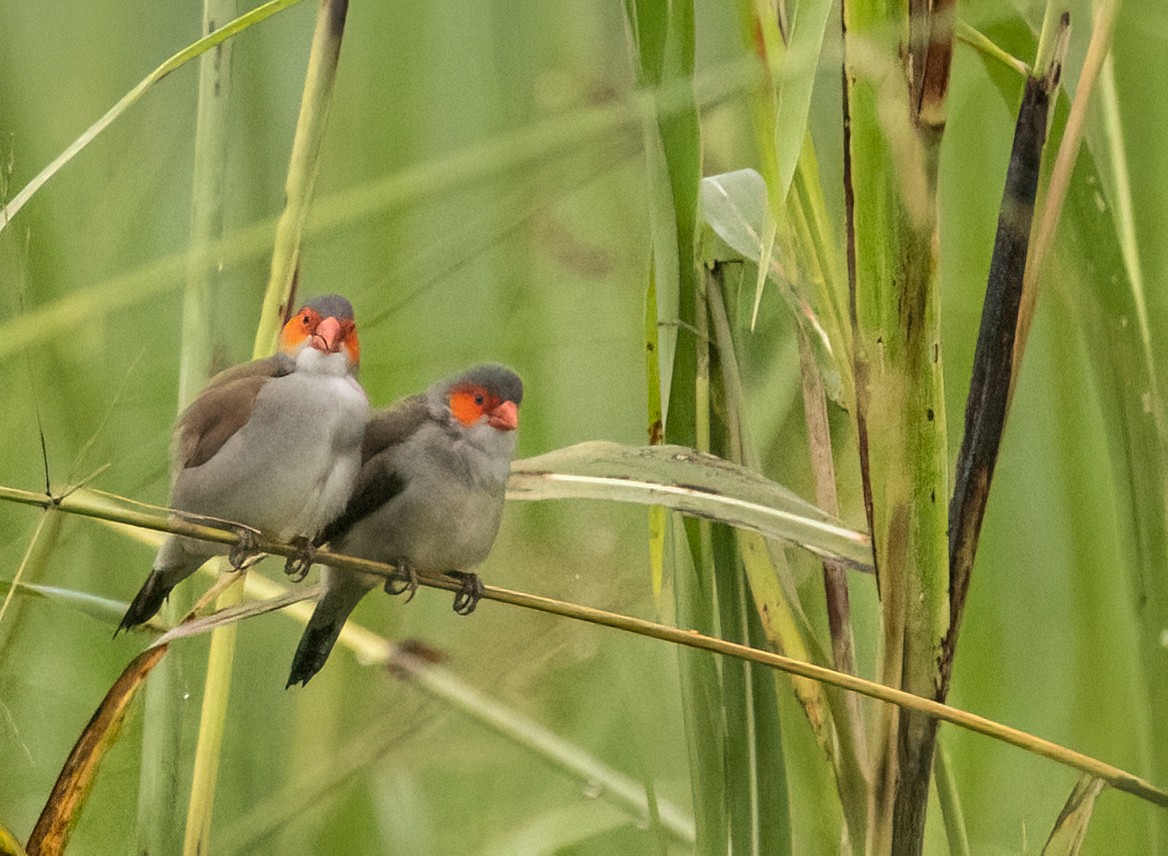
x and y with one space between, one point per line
541 263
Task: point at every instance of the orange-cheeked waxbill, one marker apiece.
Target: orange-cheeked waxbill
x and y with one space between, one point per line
429 498
274 444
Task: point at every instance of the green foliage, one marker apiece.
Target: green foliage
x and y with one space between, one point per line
501 183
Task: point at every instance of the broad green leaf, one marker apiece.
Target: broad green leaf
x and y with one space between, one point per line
734 208
735 227
695 484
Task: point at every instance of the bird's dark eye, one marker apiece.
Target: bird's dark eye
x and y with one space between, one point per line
306 320
479 399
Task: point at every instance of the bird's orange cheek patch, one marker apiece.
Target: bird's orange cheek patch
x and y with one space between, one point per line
297 329
464 408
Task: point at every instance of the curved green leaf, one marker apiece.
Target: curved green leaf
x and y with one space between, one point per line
692 483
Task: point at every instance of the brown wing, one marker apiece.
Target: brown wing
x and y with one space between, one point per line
391 426
222 409
377 482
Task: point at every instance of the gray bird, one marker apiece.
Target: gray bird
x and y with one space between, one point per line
429 498
274 444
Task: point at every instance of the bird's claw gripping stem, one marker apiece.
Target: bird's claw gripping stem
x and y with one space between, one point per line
298 565
469 593
404 579
245 553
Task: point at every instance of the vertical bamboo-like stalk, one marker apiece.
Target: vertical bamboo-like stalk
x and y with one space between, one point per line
317 96
663 41
314 106
890 186
158 829
207 188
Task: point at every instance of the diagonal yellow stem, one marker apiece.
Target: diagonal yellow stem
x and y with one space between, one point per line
1114 776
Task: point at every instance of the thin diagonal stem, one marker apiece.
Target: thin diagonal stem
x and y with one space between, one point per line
1114 776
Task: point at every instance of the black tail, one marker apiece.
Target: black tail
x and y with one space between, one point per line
147 601
342 594
315 646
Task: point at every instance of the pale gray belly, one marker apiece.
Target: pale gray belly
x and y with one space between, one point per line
437 529
292 467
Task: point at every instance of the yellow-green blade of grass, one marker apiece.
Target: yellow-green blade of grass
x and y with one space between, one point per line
9 845
319 80
1070 830
794 81
949 797
789 51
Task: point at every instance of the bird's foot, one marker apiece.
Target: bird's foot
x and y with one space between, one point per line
404 579
469 592
246 552
298 565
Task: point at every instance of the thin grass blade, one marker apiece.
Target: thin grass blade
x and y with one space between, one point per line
12 208
98 608
1070 830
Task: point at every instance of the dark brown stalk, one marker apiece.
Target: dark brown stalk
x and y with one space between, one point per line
993 363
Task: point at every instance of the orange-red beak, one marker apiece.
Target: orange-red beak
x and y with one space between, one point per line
327 337
505 417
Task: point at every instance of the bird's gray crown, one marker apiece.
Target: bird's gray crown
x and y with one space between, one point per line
332 305
498 379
